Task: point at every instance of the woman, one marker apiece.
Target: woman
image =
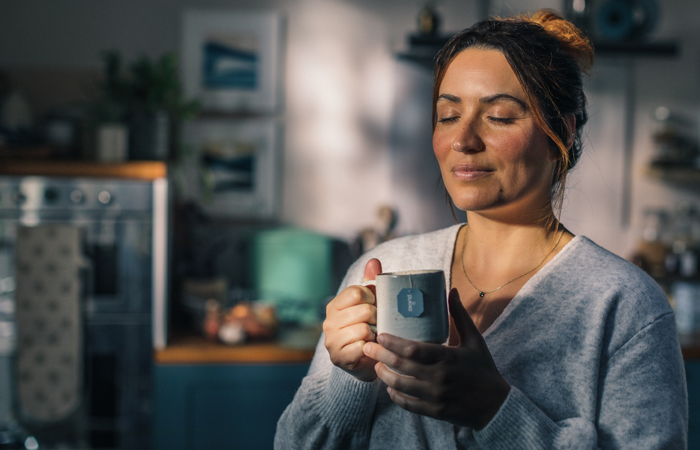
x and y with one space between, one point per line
555 342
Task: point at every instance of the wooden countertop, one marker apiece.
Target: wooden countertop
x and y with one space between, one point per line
690 345
139 170
193 349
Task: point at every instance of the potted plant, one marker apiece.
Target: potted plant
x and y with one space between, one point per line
148 97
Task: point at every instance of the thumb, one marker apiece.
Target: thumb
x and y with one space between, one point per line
461 320
372 269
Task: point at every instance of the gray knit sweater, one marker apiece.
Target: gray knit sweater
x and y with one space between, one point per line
588 345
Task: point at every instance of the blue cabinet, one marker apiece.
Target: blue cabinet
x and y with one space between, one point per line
692 375
222 406
237 406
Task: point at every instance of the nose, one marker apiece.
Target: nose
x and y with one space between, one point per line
467 138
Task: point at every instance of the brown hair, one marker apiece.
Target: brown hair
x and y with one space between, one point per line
548 55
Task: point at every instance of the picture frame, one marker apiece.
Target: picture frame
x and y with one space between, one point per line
239 166
231 60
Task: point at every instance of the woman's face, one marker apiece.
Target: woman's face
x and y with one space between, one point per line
493 156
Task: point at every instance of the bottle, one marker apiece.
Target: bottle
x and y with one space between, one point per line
652 250
686 240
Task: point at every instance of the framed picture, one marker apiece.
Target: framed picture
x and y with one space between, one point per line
232 60
240 166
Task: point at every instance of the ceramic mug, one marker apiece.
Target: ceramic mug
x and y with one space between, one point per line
412 305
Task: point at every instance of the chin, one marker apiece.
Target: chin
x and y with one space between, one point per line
475 206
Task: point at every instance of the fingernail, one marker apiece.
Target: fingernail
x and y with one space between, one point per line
366 349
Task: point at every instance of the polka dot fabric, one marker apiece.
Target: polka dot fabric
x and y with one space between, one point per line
49 327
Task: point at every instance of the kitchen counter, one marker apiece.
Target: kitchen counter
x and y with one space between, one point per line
690 345
208 393
201 385
193 349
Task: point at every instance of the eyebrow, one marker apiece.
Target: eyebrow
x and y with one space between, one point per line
487 100
498 97
450 98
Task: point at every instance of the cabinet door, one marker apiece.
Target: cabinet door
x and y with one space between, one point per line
692 374
235 407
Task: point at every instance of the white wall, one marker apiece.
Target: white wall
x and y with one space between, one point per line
340 87
339 73
595 202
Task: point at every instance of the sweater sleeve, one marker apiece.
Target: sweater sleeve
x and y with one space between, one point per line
642 402
331 410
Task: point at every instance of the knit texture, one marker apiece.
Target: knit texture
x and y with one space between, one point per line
588 345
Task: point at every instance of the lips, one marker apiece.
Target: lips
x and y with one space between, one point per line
471 171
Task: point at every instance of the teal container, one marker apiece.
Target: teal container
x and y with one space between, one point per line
293 270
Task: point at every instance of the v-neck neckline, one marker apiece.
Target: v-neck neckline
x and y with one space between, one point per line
528 286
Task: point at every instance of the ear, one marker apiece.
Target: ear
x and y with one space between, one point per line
571 126
555 152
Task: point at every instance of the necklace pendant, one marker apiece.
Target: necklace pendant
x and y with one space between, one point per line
481 294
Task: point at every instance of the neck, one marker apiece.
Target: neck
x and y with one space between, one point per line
505 246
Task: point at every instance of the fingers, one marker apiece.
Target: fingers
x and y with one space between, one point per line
421 352
401 374
410 391
345 345
347 326
379 353
355 333
354 295
339 326
463 323
413 387
372 269
394 361
363 313
412 404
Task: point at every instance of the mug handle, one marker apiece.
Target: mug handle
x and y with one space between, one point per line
372 283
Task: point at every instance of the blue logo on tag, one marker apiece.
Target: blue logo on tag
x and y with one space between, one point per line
410 302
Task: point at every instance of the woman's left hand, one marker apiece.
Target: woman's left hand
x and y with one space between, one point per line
458 384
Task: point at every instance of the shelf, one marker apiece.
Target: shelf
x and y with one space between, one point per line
140 170
209 114
668 280
673 173
664 49
27 153
423 49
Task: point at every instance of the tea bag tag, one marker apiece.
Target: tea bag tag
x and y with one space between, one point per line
410 302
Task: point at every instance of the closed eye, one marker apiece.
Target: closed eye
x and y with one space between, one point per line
448 120
503 120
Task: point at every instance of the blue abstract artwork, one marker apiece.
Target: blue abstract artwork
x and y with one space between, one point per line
225 66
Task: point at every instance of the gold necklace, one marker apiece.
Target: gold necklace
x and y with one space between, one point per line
482 293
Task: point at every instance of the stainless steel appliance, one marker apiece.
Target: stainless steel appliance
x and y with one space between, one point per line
124 224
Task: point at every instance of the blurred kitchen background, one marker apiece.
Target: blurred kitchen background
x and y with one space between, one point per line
183 185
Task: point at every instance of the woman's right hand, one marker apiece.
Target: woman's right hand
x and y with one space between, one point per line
347 326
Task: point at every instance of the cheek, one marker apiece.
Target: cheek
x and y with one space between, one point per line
441 146
519 149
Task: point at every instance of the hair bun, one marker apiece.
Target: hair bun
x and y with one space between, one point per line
572 40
